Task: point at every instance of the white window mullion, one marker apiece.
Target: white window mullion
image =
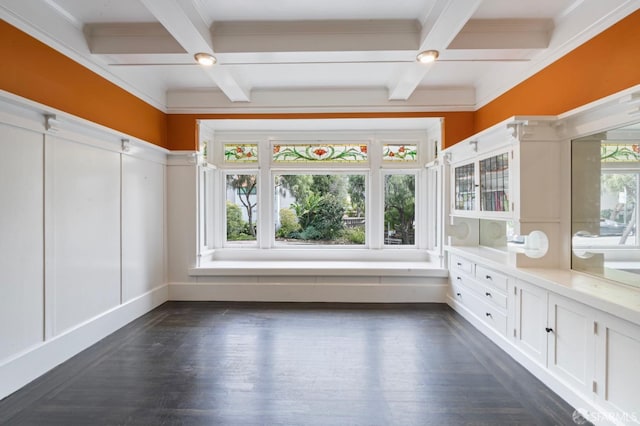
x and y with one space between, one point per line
219 211
422 213
375 198
265 196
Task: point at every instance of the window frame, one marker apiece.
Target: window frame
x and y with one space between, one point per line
374 169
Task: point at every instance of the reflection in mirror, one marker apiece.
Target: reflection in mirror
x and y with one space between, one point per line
605 219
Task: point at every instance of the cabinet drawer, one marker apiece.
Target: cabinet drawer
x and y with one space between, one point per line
495 319
494 297
491 278
489 314
461 264
458 292
461 279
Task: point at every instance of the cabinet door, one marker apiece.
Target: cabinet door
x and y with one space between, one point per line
618 368
494 183
464 187
531 321
571 342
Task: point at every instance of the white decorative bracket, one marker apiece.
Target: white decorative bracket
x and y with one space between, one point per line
126 145
512 131
192 158
51 123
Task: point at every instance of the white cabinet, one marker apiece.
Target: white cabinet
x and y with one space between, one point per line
589 353
618 368
571 343
530 322
557 333
494 190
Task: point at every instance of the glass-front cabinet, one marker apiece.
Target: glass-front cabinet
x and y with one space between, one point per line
485 180
494 183
505 187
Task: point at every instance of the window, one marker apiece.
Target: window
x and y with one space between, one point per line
302 193
320 209
399 209
241 204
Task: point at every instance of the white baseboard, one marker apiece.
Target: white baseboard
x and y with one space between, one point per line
25 367
432 291
572 397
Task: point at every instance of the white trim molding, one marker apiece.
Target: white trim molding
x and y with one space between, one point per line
347 289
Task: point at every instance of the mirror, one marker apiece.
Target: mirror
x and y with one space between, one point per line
605 221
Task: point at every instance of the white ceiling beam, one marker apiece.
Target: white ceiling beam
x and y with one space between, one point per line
504 34
184 23
192 34
130 38
440 27
322 100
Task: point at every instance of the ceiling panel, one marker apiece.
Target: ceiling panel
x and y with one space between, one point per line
285 10
314 75
91 11
510 9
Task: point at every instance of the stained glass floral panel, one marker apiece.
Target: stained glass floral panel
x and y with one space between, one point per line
399 152
241 153
620 152
306 153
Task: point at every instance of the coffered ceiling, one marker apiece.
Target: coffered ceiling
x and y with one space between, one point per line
304 55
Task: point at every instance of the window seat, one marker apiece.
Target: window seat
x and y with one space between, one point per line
320 268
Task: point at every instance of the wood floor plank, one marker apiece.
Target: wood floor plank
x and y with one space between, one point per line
214 363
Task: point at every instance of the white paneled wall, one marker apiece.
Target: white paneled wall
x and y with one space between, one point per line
143 206
83 244
21 242
82 239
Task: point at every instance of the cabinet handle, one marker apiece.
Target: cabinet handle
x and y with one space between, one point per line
487 294
459 294
459 264
488 277
548 330
489 315
458 278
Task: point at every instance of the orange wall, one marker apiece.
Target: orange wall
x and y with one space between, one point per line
606 64
182 131
61 83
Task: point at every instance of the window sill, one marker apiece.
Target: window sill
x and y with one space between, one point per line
320 268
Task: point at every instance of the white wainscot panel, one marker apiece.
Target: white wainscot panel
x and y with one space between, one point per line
142 226
84 213
21 240
182 201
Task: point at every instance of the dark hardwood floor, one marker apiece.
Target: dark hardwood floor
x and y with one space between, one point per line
201 363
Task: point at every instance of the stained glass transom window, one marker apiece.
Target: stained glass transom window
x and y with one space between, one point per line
399 152
240 153
306 153
620 152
